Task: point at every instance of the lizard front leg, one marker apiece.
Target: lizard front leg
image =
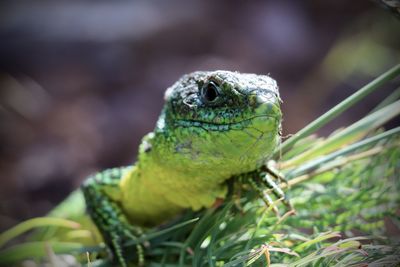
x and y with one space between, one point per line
101 192
263 182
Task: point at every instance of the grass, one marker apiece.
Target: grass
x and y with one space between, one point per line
344 188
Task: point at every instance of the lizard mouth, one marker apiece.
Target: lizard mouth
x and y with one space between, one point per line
223 126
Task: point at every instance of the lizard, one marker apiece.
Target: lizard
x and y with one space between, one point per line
214 125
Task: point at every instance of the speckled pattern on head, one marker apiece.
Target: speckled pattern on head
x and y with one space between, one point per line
239 95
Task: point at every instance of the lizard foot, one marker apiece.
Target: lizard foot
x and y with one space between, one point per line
266 179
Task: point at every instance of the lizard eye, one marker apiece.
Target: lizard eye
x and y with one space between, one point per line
210 92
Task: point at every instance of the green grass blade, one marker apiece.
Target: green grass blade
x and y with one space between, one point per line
316 163
316 240
36 250
395 95
160 233
340 108
34 223
350 134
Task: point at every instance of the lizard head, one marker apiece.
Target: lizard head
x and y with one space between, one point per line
219 120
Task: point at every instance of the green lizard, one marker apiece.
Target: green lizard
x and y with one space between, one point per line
214 126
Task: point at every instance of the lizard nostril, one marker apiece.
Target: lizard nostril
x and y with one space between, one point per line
262 97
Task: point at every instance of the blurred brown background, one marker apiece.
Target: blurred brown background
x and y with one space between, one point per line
82 82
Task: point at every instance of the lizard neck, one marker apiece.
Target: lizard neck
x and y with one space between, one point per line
153 192
192 186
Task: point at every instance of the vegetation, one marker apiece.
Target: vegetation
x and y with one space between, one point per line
344 189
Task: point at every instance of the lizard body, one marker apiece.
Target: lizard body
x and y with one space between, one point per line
214 125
